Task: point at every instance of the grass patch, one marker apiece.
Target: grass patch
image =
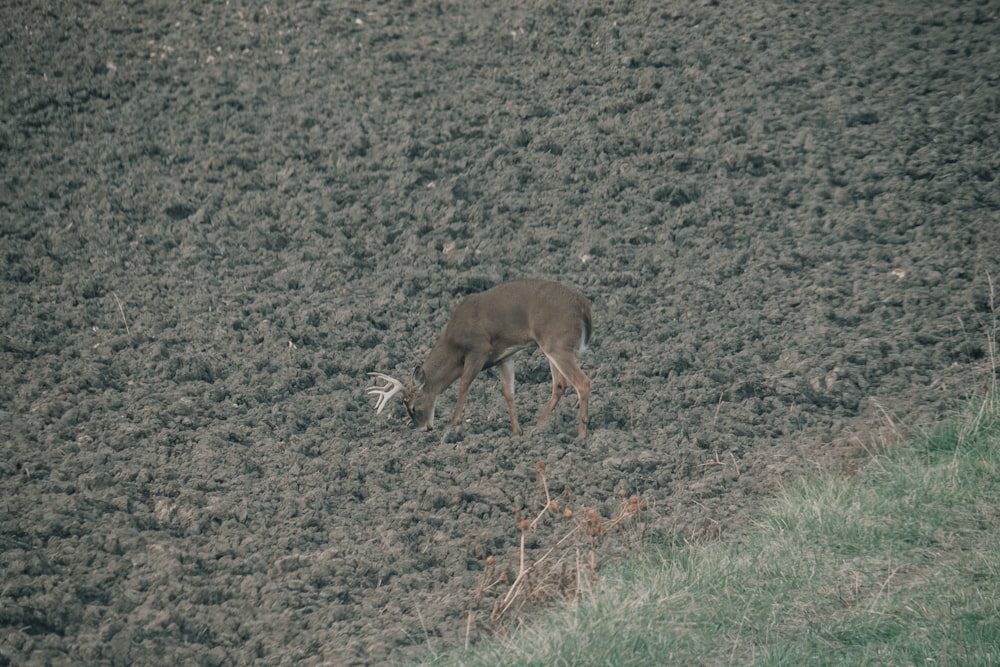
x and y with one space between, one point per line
898 565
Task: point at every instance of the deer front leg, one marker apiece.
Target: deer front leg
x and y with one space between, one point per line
473 364
507 386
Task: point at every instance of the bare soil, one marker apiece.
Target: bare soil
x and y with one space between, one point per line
217 219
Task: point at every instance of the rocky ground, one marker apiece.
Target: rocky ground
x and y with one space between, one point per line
217 219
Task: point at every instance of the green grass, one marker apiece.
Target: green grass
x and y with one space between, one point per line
899 565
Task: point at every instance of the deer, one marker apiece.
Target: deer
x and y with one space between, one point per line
487 329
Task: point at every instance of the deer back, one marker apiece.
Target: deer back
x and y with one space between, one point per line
517 313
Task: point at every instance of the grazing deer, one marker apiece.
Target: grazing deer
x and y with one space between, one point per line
485 330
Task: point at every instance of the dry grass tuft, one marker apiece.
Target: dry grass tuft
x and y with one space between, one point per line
568 566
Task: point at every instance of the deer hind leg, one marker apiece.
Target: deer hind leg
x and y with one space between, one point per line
566 371
564 368
559 384
507 386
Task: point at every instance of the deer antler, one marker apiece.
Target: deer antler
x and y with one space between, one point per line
392 388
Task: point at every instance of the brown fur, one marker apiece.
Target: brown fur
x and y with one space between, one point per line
486 330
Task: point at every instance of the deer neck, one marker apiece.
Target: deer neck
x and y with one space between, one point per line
442 367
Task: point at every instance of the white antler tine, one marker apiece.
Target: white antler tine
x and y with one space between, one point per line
392 387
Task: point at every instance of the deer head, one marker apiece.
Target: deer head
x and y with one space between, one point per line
418 403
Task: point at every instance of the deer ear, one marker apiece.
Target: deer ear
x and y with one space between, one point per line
418 378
